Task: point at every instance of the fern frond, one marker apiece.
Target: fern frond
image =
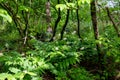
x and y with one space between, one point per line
65 64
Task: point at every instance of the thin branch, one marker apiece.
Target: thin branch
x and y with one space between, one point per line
111 19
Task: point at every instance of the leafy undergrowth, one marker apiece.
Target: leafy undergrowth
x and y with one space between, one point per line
69 59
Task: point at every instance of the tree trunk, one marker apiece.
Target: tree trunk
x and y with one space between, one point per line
56 23
111 19
48 14
65 24
96 34
78 20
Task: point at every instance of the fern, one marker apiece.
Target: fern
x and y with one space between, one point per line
63 65
63 61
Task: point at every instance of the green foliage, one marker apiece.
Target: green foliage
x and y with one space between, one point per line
25 8
5 15
83 1
18 67
82 74
72 58
56 57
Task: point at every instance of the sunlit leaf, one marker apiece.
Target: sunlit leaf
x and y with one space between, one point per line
14 70
5 15
71 5
25 8
83 1
37 78
30 73
20 75
61 6
3 76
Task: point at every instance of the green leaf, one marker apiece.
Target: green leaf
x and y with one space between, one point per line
14 70
37 78
20 75
83 1
25 8
71 5
5 15
61 6
4 58
30 73
1 0
3 76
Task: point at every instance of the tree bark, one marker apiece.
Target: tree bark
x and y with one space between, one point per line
78 20
65 24
48 13
56 23
96 34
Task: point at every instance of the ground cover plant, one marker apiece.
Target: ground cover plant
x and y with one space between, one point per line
59 40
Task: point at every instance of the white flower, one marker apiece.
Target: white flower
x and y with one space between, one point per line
56 48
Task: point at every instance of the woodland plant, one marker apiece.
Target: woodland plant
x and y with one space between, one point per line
54 58
57 39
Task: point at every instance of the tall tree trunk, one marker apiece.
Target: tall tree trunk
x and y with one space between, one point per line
65 24
48 14
56 23
96 34
78 20
111 19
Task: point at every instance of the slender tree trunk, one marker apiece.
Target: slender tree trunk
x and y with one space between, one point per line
56 23
25 17
96 34
78 20
65 24
111 19
48 14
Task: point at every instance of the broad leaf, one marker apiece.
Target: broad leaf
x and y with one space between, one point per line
61 6
3 76
5 15
14 70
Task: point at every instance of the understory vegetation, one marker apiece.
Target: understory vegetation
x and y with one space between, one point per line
59 40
